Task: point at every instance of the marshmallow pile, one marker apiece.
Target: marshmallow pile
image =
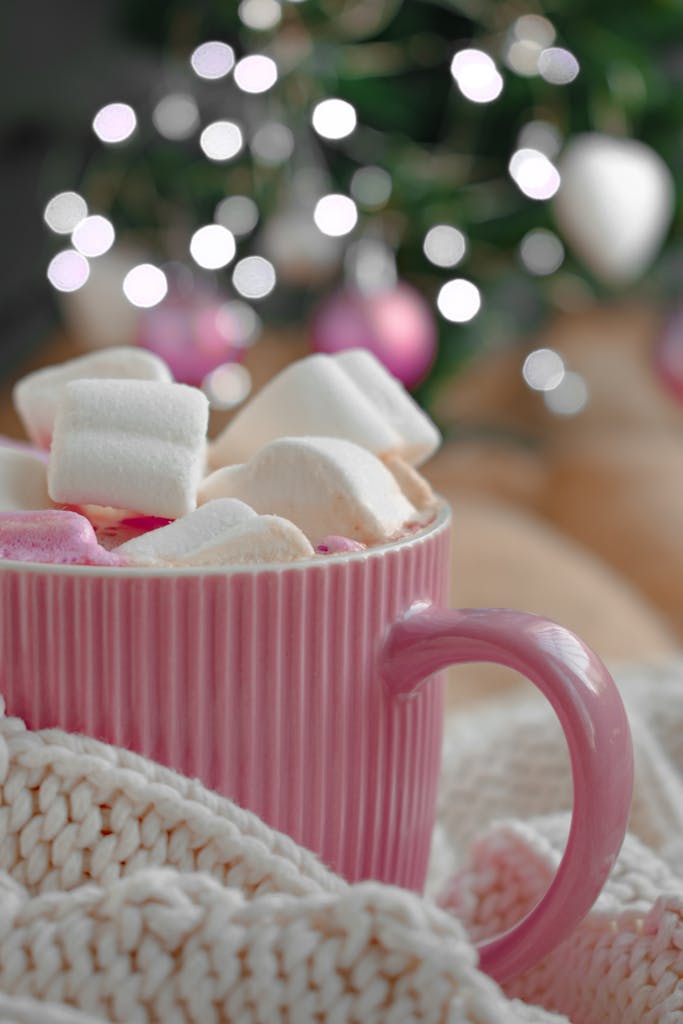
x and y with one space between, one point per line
321 461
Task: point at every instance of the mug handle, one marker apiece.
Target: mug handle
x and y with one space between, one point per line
589 707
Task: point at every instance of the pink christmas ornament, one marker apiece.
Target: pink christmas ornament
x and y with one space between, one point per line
193 332
396 324
668 355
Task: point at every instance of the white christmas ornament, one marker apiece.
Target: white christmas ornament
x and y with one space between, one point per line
614 204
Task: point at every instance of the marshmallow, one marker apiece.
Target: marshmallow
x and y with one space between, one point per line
313 396
419 437
324 485
54 536
133 444
222 532
349 396
23 481
37 395
416 489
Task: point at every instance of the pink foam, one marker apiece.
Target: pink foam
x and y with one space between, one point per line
54 536
334 545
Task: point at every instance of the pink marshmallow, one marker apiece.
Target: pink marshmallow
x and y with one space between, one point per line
53 536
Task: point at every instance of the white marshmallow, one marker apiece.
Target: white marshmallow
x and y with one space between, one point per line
37 395
419 436
349 396
417 490
324 485
131 444
313 396
23 482
223 532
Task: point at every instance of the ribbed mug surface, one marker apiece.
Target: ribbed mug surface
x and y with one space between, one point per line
263 683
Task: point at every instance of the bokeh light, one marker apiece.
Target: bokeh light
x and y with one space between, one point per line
68 270
534 174
64 211
227 386
212 246
272 144
569 397
371 187
254 277
212 60
543 369
541 136
334 119
529 35
459 300
176 116
221 140
335 214
558 66
238 214
444 246
255 73
541 252
260 15
145 285
242 322
114 123
476 76
371 265
93 236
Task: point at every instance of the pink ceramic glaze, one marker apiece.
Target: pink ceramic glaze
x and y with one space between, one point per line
306 693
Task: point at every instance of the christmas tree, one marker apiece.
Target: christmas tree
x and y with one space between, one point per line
300 150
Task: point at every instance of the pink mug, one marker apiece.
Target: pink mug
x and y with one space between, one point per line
310 693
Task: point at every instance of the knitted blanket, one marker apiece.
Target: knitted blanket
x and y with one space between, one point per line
128 893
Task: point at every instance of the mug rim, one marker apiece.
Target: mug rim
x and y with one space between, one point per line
440 522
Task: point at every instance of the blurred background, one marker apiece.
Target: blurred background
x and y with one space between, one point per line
486 194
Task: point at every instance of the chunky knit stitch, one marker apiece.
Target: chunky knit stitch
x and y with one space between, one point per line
128 893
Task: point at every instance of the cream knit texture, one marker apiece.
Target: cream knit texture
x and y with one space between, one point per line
131 894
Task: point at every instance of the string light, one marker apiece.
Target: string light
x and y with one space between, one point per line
241 321
221 140
254 277
569 397
114 123
476 76
541 252
543 369
64 211
145 285
272 144
335 214
176 116
459 300
334 119
93 236
238 214
534 174
212 60
212 246
227 386
371 187
558 66
255 73
68 271
259 15
541 136
444 246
